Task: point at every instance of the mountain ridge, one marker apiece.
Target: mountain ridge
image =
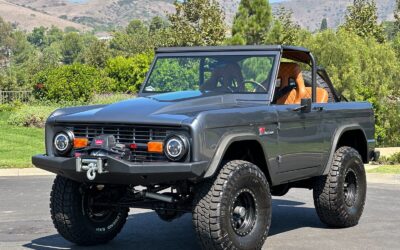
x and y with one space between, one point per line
104 14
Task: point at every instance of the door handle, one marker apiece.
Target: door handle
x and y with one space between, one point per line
318 108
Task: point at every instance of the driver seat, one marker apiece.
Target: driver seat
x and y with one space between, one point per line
287 71
228 76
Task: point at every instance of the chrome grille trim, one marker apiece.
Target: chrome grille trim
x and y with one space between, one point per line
126 134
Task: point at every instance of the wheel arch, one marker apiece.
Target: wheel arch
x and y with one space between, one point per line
352 136
229 147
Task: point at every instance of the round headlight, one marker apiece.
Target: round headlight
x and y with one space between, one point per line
63 142
176 147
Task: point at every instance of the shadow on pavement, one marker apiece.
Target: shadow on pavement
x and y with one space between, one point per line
147 231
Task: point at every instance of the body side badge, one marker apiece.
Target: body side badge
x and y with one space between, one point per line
262 131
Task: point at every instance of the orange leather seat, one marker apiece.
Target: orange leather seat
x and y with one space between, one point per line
289 71
286 72
322 94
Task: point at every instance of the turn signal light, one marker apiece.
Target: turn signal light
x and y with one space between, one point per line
155 147
80 142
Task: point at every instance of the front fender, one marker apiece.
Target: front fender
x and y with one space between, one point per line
223 147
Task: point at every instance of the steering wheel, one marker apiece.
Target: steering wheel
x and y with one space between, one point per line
259 85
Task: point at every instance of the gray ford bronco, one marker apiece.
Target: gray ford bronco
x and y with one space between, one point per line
214 131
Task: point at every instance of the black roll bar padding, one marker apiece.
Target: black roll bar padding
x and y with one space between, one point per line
314 77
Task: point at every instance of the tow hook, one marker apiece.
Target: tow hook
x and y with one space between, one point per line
91 166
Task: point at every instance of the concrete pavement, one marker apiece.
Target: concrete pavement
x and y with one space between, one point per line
25 222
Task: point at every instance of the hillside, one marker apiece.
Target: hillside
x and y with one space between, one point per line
309 13
27 19
101 13
113 13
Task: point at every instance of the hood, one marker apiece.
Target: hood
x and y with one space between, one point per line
167 109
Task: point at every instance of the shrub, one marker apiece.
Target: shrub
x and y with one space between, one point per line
394 159
30 116
129 73
8 107
71 83
110 98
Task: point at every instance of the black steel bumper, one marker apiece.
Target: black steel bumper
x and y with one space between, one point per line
124 172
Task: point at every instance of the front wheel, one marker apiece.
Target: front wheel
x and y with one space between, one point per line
77 219
233 209
339 197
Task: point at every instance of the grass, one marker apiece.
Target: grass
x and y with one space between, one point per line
18 144
386 169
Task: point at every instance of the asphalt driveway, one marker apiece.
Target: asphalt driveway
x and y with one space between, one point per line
25 222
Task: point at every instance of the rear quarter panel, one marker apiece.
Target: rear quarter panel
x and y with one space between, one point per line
344 116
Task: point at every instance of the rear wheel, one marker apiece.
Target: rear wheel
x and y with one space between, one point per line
339 197
77 219
233 209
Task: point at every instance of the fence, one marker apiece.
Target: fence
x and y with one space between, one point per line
11 96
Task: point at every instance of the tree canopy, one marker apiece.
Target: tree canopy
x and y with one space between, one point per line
251 22
362 19
196 23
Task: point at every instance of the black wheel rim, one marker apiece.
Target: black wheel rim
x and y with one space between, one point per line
350 188
95 214
243 212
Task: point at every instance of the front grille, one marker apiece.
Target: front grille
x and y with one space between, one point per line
127 134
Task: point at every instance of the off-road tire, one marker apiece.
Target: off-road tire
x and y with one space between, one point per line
213 206
338 201
307 76
72 222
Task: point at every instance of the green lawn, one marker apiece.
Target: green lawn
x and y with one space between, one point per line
386 169
18 144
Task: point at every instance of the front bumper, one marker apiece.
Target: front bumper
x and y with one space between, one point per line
124 172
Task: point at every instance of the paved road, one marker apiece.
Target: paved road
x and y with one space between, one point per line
25 222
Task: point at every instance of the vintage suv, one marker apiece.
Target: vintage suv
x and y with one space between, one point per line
214 131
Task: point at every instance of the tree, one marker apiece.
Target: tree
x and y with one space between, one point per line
96 54
252 21
284 30
156 24
71 46
54 34
38 37
397 16
362 19
135 27
6 41
324 24
196 22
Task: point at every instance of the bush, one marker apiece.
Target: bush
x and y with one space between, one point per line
129 73
30 116
71 83
394 159
110 98
8 107
363 70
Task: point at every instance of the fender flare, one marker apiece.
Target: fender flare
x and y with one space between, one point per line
338 134
223 147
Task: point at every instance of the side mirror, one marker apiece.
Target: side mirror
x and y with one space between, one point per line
305 106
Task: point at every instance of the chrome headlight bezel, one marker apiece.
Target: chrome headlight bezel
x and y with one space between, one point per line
65 137
171 144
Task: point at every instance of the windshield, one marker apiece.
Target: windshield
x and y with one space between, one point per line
228 73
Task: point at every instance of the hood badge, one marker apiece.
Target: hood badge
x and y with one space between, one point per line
262 131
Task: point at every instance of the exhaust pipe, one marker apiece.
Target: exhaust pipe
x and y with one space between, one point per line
160 197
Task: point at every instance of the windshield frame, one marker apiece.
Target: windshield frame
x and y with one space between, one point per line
274 54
